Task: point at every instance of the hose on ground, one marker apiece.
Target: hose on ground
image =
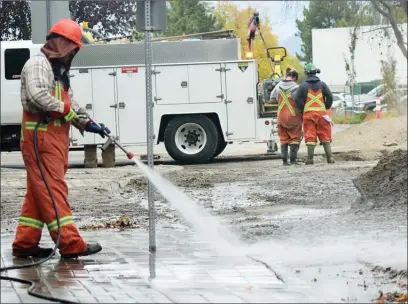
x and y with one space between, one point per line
32 284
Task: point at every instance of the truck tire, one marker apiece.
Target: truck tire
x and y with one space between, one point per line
191 139
222 144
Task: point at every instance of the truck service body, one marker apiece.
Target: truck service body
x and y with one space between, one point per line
204 96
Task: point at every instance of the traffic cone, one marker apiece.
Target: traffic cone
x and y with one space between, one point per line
329 112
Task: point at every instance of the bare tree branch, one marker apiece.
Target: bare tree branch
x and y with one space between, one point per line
388 15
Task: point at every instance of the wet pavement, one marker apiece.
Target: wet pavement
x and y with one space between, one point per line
185 271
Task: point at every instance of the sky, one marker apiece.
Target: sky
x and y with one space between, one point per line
283 21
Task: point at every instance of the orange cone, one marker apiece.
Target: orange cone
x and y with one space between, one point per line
329 112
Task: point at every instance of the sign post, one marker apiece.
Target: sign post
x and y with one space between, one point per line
378 107
151 16
149 122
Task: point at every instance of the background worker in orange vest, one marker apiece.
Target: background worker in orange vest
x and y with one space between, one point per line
45 98
289 118
313 99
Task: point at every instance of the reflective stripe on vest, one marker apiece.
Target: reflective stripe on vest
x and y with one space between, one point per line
58 91
284 101
30 222
30 125
315 99
64 221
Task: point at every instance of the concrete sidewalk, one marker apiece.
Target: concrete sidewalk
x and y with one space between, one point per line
185 272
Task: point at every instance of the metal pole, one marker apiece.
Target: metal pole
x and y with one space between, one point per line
149 123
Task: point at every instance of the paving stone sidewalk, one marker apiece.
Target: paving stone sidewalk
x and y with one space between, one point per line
185 271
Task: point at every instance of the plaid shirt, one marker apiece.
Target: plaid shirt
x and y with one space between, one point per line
37 83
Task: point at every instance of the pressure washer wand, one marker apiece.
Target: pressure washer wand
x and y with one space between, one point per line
112 140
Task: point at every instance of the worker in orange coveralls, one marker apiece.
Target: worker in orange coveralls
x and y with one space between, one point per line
313 99
45 97
289 118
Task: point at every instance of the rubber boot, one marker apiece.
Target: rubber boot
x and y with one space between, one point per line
310 155
41 253
328 151
90 249
293 153
284 154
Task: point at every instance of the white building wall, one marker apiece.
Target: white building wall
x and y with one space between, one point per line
331 47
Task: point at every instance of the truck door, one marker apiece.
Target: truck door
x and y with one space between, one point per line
205 83
104 99
240 98
132 105
171 84
81 85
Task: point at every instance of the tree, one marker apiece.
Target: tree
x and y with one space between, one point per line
394 12
111 17
237 20
15 20
190 16
329 14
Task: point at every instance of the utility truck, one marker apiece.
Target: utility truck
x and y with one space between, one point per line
204 95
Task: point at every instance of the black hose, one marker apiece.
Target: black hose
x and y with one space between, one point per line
32 283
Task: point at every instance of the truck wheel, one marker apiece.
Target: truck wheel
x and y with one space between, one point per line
191 139
222 144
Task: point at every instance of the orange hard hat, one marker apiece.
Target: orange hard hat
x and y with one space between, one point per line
69 29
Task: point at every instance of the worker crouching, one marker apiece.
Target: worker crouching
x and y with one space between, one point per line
289 117
45 98
313 99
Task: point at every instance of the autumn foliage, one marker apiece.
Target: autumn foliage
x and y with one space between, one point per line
232 18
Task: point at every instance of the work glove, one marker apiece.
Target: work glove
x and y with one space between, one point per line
66 116
94 128
70 115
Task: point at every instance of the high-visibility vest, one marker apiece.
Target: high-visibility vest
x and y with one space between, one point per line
285 100
314 102
30 120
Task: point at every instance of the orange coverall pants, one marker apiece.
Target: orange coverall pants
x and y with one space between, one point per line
289 121
37 209
316 127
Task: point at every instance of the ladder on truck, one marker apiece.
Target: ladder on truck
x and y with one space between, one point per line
275 62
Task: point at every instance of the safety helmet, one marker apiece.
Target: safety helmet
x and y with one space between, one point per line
291 72
69 29
310 69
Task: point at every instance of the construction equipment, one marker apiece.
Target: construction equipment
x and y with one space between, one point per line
275 60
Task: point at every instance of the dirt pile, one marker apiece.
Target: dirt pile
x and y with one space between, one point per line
382 134
386 183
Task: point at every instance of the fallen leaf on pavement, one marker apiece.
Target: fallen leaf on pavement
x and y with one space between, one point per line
392 297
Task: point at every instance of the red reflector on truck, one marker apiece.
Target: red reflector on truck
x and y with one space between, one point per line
267 122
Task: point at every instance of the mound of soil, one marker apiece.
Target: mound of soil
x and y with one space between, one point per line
382 134
386 183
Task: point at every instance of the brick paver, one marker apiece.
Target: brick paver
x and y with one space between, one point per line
186 272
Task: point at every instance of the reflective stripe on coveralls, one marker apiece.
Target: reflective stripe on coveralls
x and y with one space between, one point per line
37 209
313 100
284 101
289 120
314 125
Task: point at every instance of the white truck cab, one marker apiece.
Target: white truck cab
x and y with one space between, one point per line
199 106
